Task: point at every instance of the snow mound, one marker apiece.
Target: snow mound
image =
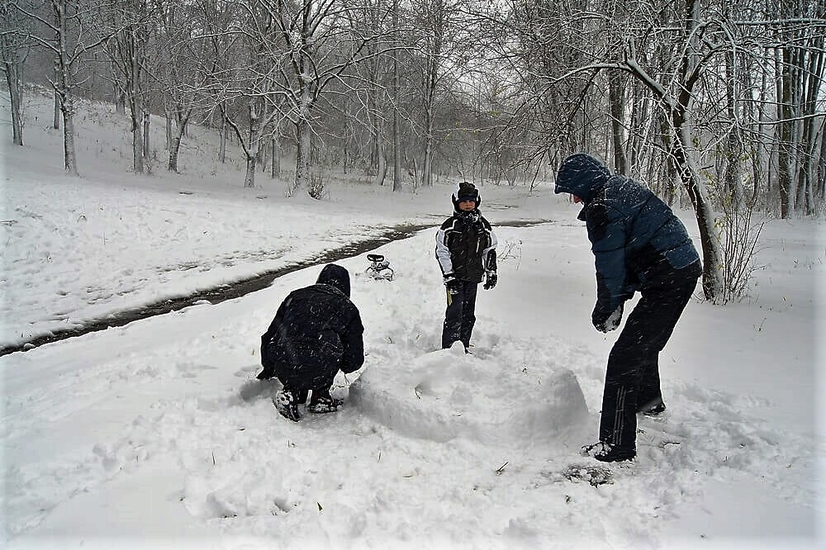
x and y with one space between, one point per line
448 394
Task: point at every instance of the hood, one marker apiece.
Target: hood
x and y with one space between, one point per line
335 276
581 175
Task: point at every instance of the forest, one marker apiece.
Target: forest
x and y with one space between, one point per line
717 105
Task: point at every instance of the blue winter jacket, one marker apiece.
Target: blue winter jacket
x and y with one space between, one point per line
635 237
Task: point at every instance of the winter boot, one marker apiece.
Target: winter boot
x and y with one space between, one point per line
286 403
605 452
322 402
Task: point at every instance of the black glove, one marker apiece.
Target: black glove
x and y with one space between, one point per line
452 283
490 280
611 323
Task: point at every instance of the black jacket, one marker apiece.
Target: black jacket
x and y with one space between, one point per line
466 246
316 332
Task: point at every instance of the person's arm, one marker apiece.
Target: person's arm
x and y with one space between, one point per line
489 253
442 250
607 233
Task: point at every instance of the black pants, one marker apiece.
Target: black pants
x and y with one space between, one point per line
460 315
632 381
301 378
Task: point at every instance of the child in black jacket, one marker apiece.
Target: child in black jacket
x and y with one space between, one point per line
466 251
317 331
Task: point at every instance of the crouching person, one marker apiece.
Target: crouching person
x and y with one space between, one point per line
316 332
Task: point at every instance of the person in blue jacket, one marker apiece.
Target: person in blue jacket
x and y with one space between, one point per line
316 332
639 245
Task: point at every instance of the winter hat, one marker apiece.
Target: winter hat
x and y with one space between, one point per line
336 276
465 191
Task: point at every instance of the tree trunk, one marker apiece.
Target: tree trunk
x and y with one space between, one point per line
254 145
302 156
820 187
712 255
172 166
137 139
222 150
732 175
381 170
168 127
397 148
615 96
275 168
175 138
69 156
146 122
13 80
57 112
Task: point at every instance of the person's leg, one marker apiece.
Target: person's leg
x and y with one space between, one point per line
451 330
320 399
618 422
671 298
469 291
301 396
634 356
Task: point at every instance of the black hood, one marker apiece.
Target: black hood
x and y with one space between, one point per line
581 175
336 276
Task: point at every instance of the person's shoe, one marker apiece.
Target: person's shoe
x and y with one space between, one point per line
656 410
605 452
286 404
322 402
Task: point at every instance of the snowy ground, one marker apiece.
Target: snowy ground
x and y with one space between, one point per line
156 434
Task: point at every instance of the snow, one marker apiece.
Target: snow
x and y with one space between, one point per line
156 434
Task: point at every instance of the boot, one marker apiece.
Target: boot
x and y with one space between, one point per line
286 403
605 452
322 402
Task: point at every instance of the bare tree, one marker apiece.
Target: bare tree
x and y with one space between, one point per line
67 36
184 67
319 47
130 24
14 47
696 42
800 56
442 43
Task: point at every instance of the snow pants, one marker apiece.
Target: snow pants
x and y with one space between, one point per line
460 315
632 380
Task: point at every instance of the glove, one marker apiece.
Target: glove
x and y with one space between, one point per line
490 280
452 283
611 323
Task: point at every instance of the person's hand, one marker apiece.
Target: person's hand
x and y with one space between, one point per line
611 323
490 280
452 283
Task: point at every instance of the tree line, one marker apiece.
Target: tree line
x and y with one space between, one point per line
718 103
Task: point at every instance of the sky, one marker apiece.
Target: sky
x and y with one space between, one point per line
157 434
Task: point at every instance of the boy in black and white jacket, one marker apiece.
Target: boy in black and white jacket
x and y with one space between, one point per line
466 251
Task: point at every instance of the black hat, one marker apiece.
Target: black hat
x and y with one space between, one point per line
465 191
